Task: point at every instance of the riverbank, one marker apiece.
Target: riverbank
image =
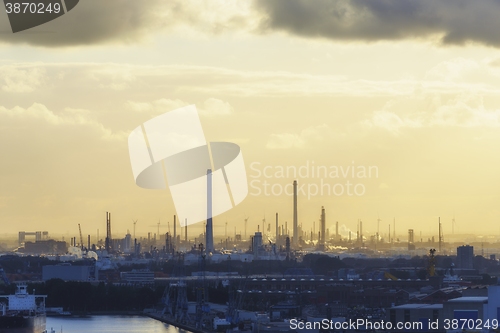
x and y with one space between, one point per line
166 320
82 314
110 324
154 316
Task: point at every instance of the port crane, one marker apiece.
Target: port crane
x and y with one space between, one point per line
5 279
135 222
81 236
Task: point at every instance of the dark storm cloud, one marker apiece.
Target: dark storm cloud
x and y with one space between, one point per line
456 21
99 21
127 21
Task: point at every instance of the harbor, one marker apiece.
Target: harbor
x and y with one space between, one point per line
110 324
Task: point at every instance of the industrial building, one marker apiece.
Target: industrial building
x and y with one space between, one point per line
484 308
45 247
465 257
39 235
418 313
138 277
68 272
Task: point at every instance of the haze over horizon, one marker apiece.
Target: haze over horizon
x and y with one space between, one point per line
411 89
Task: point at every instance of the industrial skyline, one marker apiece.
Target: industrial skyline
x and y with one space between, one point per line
299 235
419 108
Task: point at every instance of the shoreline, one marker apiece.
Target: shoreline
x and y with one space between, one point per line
172 323
96 313
131 313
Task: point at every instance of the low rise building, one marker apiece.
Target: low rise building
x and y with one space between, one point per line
138 277
68 272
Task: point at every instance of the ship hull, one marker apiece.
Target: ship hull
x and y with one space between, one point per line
21 324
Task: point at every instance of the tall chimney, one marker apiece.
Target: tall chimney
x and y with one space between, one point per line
175 230
336 230
394 231
277 229
357 232
108 244
323 225
209 229
361 231
440 234
295 219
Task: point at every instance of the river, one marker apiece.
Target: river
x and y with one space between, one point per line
110 324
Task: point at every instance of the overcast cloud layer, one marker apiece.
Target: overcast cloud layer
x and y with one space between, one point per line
455 21
126 21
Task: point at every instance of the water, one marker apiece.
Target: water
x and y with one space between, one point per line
110 324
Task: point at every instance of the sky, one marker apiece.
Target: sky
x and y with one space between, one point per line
407 89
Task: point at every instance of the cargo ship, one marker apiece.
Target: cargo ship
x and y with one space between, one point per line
22 312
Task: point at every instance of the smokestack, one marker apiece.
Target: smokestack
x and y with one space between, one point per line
295 219
337 230
440 234
277 229
175 230
108 243
323 225
186 231
394 231
209 229
361 231
357 232
88 241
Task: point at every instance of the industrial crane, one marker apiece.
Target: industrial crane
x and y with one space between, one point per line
4 277
135 222
81 236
